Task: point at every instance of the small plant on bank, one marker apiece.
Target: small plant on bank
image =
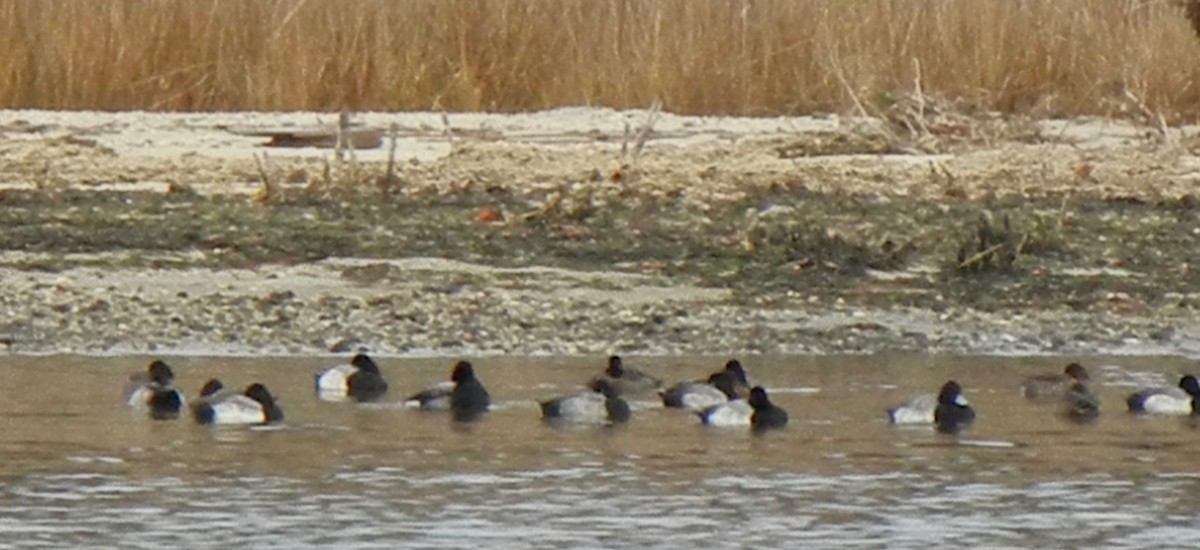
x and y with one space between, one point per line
995 246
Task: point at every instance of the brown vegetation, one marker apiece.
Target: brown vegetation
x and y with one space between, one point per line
1045 57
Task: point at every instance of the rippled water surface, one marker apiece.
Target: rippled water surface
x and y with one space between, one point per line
80 469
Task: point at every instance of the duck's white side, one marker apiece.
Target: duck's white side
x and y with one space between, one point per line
918 411
729 414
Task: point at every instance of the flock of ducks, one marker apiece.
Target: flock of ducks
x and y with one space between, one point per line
724 398
950 413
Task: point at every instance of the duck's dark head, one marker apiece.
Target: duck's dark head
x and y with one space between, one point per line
271 410
365 363
1077 372
734 368
758 397
211 388
260 393
615 368
951 394
1190 385
160 373
727 382
463 371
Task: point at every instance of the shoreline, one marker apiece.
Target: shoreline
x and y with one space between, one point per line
290 311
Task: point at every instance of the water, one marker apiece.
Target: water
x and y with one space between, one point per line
80 469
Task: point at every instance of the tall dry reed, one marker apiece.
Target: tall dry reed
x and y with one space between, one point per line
756 57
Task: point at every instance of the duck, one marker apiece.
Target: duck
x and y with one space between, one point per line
628 381
464 395
918 410
469 399
212 391
699 396
359 380
1166 401
153 391
600 405
255 405
1080 404
732 413
1054 386
766 416
953 413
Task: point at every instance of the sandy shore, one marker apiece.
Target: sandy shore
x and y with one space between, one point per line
583 231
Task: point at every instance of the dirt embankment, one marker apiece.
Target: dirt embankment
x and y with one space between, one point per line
588 231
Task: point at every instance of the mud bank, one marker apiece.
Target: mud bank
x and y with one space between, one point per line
588 231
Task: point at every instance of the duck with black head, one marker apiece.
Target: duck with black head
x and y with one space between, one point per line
255 405
953 413
469 399
463 395
601 405
699 395
1166 401
153 391
360 380
767 415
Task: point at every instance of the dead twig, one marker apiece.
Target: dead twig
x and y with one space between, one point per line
269 190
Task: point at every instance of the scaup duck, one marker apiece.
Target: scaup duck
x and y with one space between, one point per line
953 413
359 380
154 392
463 395
917 411
719 388
766 415
256 405
1170 401
735 412
469 399
601 405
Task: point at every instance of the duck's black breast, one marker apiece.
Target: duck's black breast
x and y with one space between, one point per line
951 418
165 404
618 410
366 386
469 400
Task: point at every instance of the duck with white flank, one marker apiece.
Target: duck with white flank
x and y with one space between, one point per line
153 391
601 405
719 388
464 395
1166 401
256 405
359 380
732 413
919 410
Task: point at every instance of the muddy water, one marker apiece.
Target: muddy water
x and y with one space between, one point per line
79 469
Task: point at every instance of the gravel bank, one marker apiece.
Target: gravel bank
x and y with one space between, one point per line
557 233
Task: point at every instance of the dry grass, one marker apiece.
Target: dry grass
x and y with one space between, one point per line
1046 57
